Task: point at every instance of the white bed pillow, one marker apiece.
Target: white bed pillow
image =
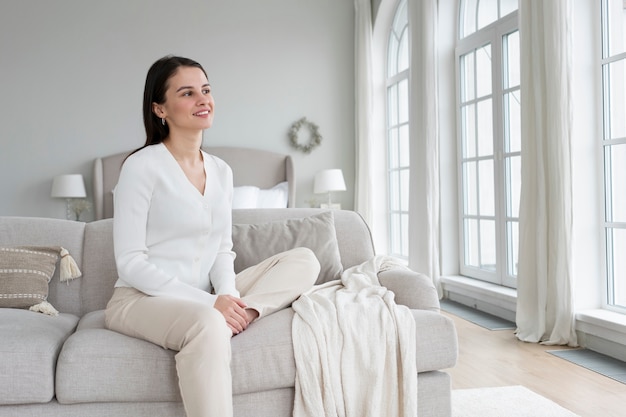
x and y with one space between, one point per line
249 196
275 197
245 197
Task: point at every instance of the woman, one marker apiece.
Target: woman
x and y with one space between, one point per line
172 235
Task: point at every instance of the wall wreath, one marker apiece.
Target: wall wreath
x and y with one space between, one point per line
315 139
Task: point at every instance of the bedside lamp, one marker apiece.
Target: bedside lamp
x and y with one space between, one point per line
328 181
69 187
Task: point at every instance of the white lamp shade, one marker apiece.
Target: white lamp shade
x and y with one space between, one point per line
328 180
68 186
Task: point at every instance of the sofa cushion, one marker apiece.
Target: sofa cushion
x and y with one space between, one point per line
254 243
99 365
30 344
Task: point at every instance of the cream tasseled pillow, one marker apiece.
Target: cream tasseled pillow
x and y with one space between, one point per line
25 272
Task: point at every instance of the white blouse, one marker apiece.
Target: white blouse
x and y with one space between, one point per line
169 239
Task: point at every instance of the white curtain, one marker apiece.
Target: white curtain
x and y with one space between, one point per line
363 107
424 140
545 310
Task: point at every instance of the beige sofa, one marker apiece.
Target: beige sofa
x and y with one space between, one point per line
71 366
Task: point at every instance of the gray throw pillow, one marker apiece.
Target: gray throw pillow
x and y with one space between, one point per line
254 243
25 272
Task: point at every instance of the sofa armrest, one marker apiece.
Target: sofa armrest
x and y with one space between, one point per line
411 289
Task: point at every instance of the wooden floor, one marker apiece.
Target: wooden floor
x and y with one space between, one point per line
497 358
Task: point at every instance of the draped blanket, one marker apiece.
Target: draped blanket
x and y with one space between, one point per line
354 348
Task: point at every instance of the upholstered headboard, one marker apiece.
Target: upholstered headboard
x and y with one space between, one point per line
251 167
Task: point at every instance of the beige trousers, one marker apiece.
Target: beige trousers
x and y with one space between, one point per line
199 332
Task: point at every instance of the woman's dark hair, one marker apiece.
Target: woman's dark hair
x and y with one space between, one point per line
154 92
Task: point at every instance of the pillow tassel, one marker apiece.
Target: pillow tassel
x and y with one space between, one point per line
69 269
45 308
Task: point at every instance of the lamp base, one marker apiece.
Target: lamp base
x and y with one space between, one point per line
69 213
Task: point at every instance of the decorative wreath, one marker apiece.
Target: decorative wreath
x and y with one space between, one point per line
315 138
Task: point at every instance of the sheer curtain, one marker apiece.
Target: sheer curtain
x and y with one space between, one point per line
544 290
424 141
363 107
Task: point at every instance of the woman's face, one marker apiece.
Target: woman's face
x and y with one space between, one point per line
188 101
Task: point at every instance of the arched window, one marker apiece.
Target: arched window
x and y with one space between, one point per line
398 133
489 145
613 65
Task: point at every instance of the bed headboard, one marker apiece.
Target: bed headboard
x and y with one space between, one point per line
263 169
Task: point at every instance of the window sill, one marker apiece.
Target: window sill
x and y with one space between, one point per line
600 330
484 296
603 331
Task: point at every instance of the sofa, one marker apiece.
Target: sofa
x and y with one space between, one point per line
70 365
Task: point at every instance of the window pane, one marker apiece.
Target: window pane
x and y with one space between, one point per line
392 58
467 77
470 182
394 232
615 164
487 12
512 232
616 262
616 90
404 235
483 71
404 190
615 32
403 101
507 6
471 243
486 191
403 147
468 19
394 190
512 63
512 122
393 148
488 245
403 51
469 131
485 128
514 185
401 18
392 104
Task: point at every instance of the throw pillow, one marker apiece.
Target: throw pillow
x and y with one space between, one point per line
25 272
254 243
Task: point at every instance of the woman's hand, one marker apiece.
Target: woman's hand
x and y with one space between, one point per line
233 310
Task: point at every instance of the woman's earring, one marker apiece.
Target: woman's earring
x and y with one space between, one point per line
163 121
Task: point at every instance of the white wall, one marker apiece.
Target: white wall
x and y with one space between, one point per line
72 74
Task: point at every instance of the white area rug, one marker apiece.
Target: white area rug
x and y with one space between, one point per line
515 401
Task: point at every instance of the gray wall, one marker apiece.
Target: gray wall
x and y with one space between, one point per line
72 74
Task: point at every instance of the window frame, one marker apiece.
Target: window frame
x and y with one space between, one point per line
492 34
397 244
606 142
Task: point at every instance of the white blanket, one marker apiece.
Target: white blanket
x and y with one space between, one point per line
354 348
